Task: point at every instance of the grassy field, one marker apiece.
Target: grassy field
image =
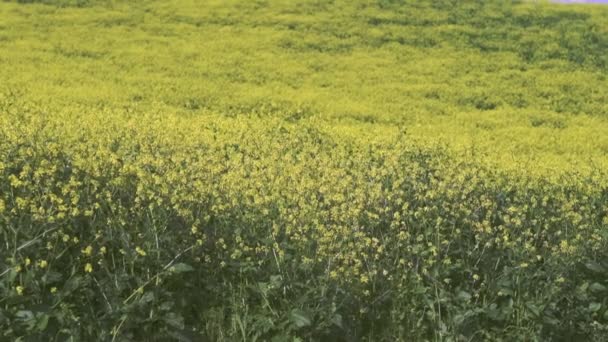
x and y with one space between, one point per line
303 170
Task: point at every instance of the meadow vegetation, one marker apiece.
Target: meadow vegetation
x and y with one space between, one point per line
303 171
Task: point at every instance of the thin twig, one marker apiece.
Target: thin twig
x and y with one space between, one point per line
36 239
157 274
103 294
27 244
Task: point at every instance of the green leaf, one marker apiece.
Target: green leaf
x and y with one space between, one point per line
597 287
458 319
464 296
72 284
594 307
534 309
51 277
551 320
12 274
181 268
275 281
43 321
595 267
147 297
174 320
25 315
299 318
337 321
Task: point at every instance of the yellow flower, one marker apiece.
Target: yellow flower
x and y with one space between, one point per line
27 261
88 268
140 251
103 250
43 264
87 251
53 289
19 290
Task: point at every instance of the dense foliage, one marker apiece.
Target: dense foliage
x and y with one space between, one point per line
283 171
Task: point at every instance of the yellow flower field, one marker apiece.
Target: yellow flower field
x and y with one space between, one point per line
303 171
